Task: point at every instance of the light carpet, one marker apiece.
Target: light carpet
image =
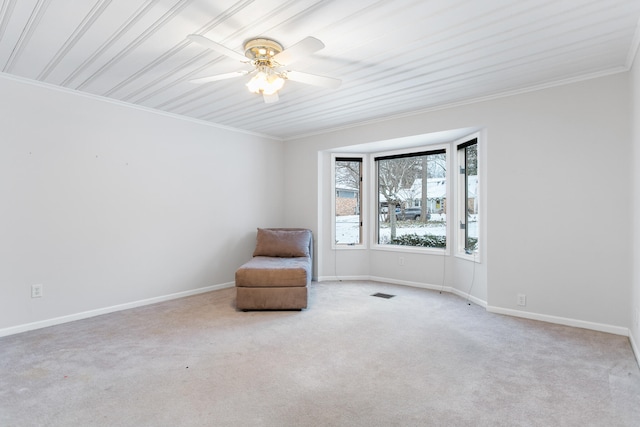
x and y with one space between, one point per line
422 358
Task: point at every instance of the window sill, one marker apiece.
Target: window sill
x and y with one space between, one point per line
348 247
410 249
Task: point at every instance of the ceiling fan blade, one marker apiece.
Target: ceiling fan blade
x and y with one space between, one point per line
220 77
268 99
312 79
301 49
217 47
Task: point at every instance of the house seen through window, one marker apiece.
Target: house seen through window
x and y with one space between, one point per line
348 200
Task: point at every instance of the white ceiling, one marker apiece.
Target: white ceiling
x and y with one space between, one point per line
394 57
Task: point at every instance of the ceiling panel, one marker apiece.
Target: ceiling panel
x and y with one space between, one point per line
393 57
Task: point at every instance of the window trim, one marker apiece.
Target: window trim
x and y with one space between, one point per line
364 207
441 148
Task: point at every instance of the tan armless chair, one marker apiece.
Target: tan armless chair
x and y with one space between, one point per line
279 274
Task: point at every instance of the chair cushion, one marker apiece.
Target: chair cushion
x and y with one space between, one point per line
274 272
282 243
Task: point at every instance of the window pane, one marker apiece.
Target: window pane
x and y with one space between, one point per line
348 175
468 197
412 197
471 157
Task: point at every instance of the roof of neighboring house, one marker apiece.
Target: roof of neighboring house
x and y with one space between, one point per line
348 189
436 189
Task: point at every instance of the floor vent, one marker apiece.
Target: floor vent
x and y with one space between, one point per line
381 295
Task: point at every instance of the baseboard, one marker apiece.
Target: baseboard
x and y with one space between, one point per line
341 278
470 298
382 280
635 349
617 330
601 327
441 288
411 284
92 313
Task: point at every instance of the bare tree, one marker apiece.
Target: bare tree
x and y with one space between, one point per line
348 174
437 165
395 175
424 203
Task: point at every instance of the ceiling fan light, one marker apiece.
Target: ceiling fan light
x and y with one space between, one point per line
274 83
266 83
257 82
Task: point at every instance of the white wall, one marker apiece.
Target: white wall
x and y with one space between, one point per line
553 157
575 260
105 204
634 76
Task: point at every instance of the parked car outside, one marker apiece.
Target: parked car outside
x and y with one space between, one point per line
411 213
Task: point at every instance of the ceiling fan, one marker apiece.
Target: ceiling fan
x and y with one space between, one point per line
267 61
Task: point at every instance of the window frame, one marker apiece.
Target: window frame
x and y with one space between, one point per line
462 197
373 197
364 207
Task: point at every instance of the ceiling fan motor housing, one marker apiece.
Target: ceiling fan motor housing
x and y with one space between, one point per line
261 50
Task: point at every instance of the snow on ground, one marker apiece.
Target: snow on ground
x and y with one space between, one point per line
347 228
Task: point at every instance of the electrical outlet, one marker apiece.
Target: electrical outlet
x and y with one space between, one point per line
401 260
522 299
36 291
